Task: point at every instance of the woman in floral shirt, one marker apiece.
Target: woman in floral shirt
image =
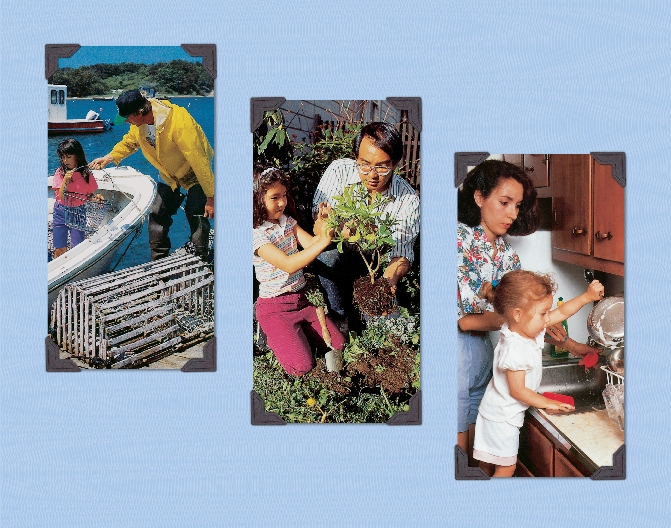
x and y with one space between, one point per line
496 198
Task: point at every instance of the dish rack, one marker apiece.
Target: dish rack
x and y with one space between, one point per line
613 396
612 377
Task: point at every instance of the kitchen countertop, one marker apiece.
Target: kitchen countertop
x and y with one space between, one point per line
593 434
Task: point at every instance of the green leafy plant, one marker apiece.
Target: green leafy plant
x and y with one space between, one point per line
272 145
357 219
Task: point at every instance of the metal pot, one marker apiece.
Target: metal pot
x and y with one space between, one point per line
605 322
616 360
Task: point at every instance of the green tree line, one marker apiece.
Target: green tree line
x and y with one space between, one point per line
176 77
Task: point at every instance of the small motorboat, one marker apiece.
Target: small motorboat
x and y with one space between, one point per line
128 196
59 124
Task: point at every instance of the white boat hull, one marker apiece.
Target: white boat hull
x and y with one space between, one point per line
133 193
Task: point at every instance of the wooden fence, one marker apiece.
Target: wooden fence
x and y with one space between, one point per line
410 163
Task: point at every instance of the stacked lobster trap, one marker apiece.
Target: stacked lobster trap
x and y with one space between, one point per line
127 317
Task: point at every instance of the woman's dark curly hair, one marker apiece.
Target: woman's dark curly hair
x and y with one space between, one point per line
485 178
264 177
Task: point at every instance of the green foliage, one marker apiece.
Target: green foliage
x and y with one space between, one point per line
382 333
313 293
181 77
357 219
271 141
81 82
177 77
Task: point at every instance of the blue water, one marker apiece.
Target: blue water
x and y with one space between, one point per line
96 145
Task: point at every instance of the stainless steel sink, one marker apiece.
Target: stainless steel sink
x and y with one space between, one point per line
570 378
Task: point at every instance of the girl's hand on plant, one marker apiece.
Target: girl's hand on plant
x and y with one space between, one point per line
595 291
324 210
325 231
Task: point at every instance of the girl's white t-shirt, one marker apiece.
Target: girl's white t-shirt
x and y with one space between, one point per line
513 352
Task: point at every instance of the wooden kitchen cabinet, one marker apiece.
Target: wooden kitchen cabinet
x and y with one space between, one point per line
536 451
536 166
541 455
564 468
587 213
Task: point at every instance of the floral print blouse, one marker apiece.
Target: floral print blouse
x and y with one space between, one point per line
475 266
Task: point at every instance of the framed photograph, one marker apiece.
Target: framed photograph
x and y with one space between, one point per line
130 190
540 294
336 261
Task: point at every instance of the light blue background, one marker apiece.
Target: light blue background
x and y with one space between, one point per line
175 449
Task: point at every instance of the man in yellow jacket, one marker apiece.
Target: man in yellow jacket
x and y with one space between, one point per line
176 145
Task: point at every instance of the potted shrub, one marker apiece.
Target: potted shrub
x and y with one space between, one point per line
357 219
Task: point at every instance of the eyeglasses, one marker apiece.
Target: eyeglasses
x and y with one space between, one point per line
380 170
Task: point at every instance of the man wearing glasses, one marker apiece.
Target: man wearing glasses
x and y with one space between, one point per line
176 145
378 148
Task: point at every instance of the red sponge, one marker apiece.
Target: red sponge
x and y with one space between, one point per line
563 398
590 360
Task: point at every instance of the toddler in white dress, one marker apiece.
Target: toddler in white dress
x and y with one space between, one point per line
524 299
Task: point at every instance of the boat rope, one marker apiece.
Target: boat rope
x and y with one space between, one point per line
138 229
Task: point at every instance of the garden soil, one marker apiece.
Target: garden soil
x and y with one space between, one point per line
374 299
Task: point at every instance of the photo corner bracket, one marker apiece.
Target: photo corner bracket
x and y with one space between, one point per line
209 54
463 160
413 105
617 160
259 414
258 106
411 417
615 472
462 471
53 52
53 360
208 363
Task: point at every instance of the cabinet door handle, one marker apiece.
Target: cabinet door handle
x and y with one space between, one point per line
607 236
556 223
576 231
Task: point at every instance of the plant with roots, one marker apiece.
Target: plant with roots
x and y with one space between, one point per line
357 219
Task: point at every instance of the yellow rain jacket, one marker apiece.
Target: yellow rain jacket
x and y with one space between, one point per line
183 156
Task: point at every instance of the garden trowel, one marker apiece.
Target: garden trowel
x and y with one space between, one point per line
333 357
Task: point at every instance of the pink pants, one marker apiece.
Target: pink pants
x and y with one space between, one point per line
288 320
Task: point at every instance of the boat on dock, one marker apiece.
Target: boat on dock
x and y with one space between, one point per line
59 124
128 195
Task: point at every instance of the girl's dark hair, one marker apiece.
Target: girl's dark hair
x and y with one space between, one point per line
517 289
72 146
485 178
264 177
384 136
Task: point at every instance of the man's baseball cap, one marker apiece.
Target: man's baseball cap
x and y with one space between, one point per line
128 103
